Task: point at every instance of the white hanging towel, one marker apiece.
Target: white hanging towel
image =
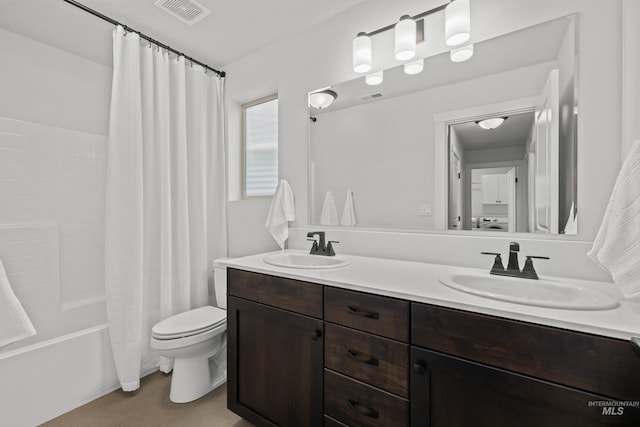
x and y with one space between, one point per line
282 210
571 228
329 214
349 213
15 325
617 244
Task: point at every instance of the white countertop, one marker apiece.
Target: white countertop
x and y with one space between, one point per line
417 281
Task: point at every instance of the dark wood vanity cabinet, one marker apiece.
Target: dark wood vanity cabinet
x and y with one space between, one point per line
478 370
275 350
302 354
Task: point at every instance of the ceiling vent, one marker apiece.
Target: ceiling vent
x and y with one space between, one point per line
188 11
371 96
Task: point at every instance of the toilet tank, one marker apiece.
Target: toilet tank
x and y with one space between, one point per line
220 283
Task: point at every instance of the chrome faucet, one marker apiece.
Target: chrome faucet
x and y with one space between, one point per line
513 266
319 247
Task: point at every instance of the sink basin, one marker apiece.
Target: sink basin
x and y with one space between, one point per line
541 293
305 260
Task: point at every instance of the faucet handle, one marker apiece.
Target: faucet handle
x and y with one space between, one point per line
528 271
497 262
314 247
330 250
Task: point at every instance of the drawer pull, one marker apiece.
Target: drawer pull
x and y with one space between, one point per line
369 314
635 345
316 334
355 356
366 411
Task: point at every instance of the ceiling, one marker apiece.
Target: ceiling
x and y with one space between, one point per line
233 29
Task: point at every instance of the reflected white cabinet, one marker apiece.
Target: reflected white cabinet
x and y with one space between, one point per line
494 189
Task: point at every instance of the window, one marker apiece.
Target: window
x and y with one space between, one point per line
260 147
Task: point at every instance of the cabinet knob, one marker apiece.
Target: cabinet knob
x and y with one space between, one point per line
419 368
315 335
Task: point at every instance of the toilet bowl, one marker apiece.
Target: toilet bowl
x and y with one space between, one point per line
197 342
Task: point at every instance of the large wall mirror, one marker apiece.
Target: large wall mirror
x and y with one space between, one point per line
414 154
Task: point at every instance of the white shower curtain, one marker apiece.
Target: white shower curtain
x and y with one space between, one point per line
165 197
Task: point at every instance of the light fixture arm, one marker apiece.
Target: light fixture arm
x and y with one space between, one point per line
415 18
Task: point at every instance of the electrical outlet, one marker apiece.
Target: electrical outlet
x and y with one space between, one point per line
424 210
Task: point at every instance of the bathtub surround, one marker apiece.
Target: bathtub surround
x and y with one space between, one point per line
15 324
165 216
617 244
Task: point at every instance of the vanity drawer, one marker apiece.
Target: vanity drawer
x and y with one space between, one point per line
287 294
388 317
600 365
357 404
377 361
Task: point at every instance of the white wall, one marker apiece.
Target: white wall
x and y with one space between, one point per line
54 109
322 56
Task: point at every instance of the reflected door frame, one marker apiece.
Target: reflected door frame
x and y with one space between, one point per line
441 123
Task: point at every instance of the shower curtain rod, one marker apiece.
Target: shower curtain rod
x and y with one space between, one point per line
142 36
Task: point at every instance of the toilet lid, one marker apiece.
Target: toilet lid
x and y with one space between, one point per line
190 322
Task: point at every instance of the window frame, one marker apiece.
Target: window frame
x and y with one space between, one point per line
243 145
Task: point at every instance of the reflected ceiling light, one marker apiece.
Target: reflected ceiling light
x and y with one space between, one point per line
362 53
461 54
414 67
322 99
491 123
405 36
374 79
457 22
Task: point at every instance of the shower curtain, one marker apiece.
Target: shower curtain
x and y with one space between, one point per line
165 196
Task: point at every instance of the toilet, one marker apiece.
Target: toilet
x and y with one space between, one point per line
197 342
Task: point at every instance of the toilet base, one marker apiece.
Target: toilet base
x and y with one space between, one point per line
192 379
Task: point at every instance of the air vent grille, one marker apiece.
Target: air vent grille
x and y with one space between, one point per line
371 96
187 11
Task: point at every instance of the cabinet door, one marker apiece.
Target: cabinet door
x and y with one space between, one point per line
495 189
447 391
275 365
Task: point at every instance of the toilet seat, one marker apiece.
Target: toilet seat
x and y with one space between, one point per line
190 323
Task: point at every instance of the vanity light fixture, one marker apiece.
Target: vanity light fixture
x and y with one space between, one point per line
414 67
409 31
491 123
322 98
374 79
362 53
461 54
457 22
